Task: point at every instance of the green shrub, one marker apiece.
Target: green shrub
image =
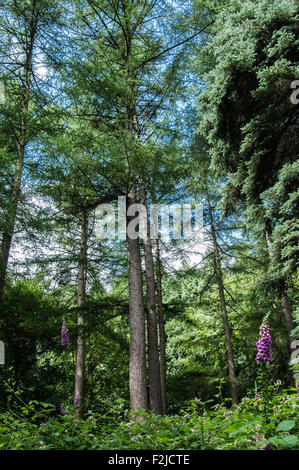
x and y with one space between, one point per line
253 424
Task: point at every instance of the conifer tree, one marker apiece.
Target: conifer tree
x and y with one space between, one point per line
22 26
251 126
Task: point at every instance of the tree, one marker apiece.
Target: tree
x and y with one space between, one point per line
23 26
161 321
250 121
81 293
155 393
119 68
225 321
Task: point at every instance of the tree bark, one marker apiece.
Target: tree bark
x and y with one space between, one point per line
162 335
225 321
286 310
155 399
137 379
137 372
81 294
288 316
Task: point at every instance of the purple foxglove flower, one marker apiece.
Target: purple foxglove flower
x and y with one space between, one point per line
64 336
62 410
264 344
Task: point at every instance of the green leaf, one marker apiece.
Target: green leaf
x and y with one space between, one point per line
274 440
286 425
291 441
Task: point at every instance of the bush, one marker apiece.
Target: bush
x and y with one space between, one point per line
254 424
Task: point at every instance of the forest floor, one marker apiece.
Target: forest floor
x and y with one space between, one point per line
259 423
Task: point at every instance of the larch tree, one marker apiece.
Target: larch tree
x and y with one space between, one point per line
24 116
119 70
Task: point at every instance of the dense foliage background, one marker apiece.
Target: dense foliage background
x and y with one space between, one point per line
163 103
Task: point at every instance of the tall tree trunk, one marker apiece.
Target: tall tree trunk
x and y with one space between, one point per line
81 294
155 399
10 223
137 374
225 321
162 335
287 315
138 383
286 310
16 185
